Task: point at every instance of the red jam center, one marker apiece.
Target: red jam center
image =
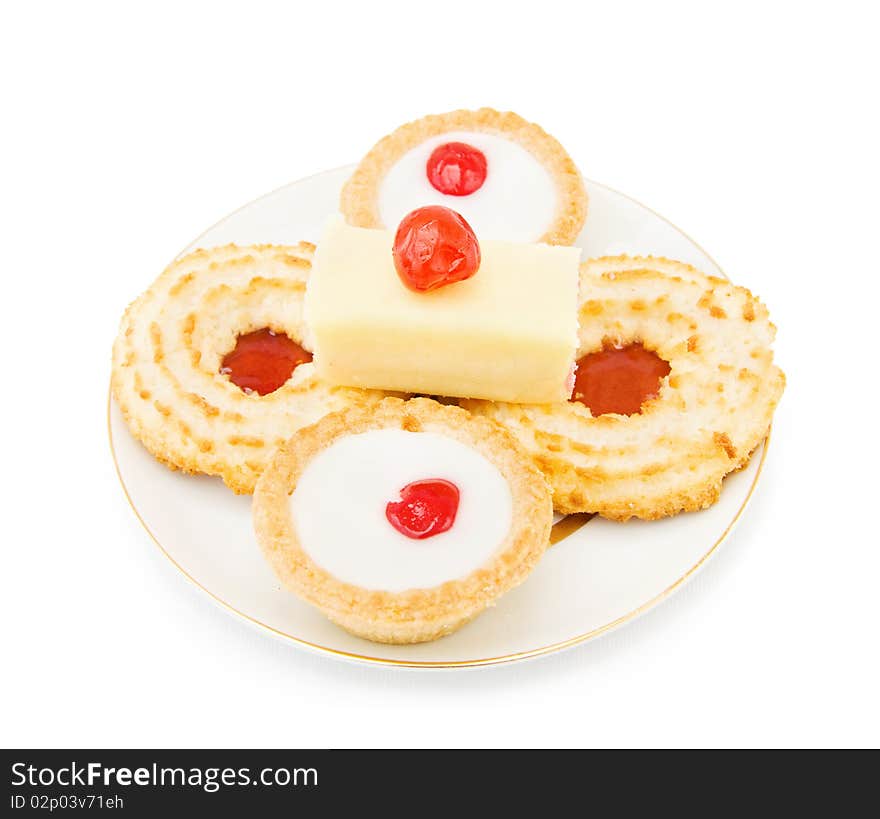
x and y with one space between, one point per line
426 508
263 360
618 379
434 246
456 168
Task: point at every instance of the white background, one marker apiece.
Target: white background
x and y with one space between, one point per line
127 132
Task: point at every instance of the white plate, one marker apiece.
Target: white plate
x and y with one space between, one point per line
599 577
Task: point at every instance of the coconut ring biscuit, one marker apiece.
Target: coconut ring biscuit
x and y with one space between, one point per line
323 512
513 182
172 342
712 410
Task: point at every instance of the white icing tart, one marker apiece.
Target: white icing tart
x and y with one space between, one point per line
338 509
532 192
320 518
517 201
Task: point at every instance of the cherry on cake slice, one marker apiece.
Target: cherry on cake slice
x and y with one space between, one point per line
430 309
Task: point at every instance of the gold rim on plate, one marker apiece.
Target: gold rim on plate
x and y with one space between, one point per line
563 532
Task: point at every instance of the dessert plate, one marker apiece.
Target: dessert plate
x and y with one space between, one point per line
598 575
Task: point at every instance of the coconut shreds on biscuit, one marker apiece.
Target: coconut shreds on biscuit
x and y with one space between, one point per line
172 340
713 409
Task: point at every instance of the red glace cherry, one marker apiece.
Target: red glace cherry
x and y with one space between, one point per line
263 360
456 168
434 246
426 508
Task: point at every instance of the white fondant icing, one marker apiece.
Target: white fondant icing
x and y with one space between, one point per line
517 202
338 510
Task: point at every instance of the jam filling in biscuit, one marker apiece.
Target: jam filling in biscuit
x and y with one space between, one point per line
456 168
618 379
262 361
426 508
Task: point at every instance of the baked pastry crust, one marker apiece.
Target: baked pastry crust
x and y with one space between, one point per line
359 201
416 615
167 356
712 411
